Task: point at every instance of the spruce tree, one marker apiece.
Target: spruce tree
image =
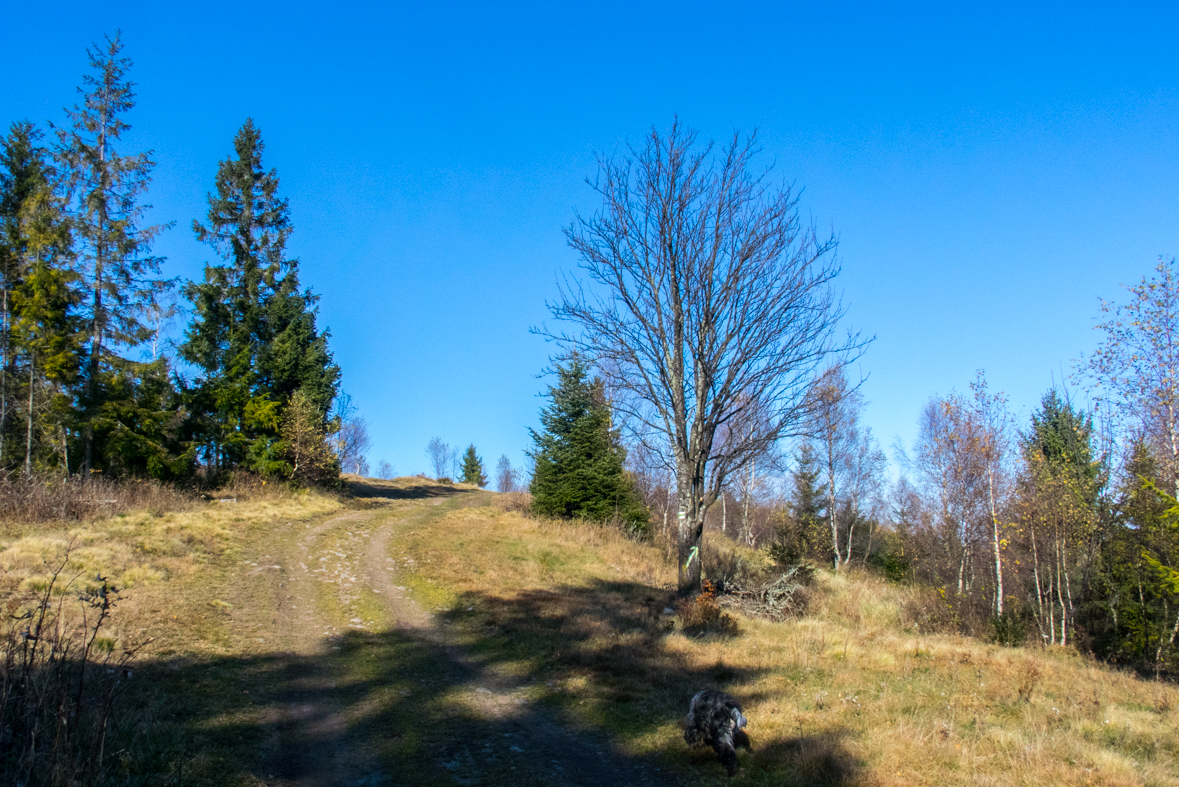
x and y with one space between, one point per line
800 534
105 188
253 336
579 459
473 468
39 344
1063 437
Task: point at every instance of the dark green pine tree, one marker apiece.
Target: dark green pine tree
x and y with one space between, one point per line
801 533
1064 437
1130 613
121 276
23 175
253 336
579 461
473 468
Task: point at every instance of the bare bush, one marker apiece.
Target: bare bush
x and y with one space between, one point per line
514 502
702 614
30 499
937 611
59 679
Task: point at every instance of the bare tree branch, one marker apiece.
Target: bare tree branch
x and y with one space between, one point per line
710 308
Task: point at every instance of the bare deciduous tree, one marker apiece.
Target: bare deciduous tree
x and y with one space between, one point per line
506 476
351 438
992 445
852 462
1136 369
441 455
864 486
711 300
834 412
385 471
965 454
951 484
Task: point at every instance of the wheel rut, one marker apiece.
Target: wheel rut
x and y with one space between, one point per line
322 580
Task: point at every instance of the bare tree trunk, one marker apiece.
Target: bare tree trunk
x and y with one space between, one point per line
724 512
1158 656
667 504
690 531
1060 595
4 333
851 531
748 492
969 568
995 540
97 322
1039 589
29 432
831 501
1051 613
962 571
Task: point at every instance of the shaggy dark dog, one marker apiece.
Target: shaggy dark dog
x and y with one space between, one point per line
716 719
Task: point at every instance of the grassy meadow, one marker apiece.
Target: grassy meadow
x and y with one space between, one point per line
847 694
573 619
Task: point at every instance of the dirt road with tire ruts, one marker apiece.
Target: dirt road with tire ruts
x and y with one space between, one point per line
367 688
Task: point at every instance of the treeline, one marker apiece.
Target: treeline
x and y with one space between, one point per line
89 381
1062 530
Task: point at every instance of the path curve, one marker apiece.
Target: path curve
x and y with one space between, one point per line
311 744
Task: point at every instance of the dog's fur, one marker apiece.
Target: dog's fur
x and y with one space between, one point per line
716 719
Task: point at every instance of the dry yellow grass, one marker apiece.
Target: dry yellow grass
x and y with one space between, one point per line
166 565
847 694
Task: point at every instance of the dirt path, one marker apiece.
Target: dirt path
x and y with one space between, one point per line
335 580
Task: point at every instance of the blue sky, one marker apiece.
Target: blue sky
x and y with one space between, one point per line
990 172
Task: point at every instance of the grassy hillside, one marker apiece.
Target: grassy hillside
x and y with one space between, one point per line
567 618
847 694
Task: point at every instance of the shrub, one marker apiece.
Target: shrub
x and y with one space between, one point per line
59 679
34 499
701 614
1010 628
941 611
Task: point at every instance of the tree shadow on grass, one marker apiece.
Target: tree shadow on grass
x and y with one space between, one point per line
413 488
817 760
536 689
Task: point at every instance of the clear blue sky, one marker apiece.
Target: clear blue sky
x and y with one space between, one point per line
990 173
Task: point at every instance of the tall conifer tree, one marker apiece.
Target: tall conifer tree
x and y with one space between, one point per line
106 187
253 336
579 460
800 534
473 468
38 326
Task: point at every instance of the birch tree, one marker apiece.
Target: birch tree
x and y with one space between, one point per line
990 440
947 468
1136 367
708 297
1058 513
834 413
